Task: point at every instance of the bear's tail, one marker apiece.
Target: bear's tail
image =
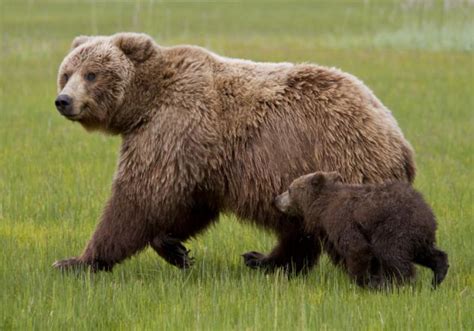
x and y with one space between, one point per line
441 266
409 162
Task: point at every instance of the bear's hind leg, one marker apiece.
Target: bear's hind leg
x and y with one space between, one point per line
401 273
173 251
355 247
169 243
295 253
396 270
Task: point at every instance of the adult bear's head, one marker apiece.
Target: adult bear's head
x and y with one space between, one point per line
96 75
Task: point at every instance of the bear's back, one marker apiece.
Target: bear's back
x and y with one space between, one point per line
395 207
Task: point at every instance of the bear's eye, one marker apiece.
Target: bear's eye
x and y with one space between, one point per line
90 76
66 77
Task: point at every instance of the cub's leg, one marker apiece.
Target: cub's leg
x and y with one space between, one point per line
336 258
357 252
396 267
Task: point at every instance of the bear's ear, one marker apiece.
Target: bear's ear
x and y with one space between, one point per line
334 177
318 179
78 41
138 47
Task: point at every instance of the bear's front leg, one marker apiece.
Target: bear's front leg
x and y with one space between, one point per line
296 252
120 234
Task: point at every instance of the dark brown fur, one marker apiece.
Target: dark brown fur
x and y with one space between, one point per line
376 232
204 134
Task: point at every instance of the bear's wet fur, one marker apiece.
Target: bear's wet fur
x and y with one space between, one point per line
203 134
376 232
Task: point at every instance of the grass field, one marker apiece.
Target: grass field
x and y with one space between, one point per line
54 177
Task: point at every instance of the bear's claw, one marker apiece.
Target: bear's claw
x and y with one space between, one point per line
76 264
178 255
173 251
69 264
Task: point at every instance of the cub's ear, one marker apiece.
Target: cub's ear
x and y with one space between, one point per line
318 179
334 177
138 47
78 41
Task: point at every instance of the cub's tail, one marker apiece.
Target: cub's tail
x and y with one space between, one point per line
441 266
436 260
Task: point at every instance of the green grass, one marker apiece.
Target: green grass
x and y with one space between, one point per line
54 177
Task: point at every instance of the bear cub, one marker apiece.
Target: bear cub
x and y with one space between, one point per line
375 232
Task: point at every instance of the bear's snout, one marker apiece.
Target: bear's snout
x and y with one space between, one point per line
64 104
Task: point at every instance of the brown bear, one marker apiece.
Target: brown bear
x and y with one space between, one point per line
203 134
375 231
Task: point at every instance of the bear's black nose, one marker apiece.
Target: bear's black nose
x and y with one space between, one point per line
64 104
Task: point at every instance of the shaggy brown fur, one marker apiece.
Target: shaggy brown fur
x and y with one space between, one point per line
203 134
376 232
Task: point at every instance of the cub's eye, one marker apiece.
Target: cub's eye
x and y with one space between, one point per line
66 77
90 76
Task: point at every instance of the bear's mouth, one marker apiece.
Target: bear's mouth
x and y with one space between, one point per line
78 115
73 117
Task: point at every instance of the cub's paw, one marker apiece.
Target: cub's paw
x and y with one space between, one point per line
377 283
254 260
70 264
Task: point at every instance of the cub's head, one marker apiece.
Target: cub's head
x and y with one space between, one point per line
303 191
94 77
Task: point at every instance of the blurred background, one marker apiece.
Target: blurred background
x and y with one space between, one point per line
416 55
